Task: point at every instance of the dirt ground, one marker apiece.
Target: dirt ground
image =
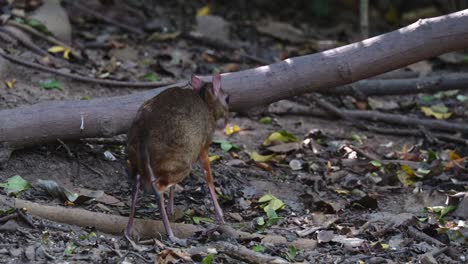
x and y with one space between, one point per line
355 212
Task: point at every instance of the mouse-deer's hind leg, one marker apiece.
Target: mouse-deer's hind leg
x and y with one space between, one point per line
209 178
135 190
170 202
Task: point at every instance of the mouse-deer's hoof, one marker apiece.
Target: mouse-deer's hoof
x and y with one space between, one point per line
179 241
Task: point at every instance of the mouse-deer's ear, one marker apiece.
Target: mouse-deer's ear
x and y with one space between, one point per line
196 83
216 84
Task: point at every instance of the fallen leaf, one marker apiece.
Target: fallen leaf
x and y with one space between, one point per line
151 77
214 157
203 11
284 148
229 130
266 120
10 83
281 31
262 158
437 111
51 84
15 185
263 166
380 104
58 49
163 36
281 137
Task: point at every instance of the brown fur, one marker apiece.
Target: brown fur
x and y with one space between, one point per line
169 132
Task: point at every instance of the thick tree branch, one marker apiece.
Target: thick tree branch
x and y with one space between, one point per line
451 81
45 122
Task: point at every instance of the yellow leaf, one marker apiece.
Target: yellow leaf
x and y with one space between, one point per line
214 157
384 246
203 11
262 158
342 191
280 136
452 155
430 112
56 49
407 169
10 83
229 130
406 175
66 54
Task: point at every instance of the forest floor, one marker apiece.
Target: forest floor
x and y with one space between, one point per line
318 176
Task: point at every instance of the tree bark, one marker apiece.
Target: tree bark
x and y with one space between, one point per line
47 121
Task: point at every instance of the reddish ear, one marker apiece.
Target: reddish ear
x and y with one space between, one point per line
196 83
216 84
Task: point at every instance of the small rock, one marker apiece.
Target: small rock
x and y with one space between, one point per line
30 253
236 163
427 259
236 216
55 18
295 164
15 252
213 27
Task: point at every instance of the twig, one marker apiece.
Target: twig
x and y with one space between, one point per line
24 41
42 36
242 253
364 18
99 16
92 169
404 120
424 237
137 255
113 83
105 141
223 46
70 154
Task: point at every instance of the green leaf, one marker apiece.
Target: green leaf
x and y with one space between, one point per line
357 138
38 25
226 146
85 97
197 220
376 163
260 221
151 77
87 236
258 248
426 98
273 202
207 259
69 249
462 98
51 84
266 120
292 253
15 185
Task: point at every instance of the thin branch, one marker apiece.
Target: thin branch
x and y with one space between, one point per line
99 16
45 37
113 83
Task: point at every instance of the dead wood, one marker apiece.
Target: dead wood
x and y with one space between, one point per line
452 81
76 77
45 122
144 229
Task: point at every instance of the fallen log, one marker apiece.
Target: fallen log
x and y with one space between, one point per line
70 120
144 229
